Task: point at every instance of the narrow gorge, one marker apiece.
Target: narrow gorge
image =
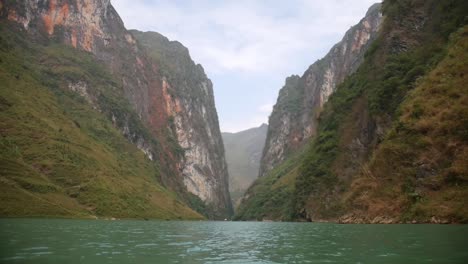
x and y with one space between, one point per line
98 121
344 131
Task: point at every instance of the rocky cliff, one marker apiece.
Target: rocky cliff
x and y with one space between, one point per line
294 117
243 154
390 143
170 105
192 119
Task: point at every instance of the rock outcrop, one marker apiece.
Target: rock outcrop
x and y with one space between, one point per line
175 106
193 120
388 145
294 117
294 122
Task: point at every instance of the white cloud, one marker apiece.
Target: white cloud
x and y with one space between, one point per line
266 108
250 36
237 126
243 44
255 120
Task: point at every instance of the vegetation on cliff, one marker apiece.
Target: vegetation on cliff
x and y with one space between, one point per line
391 142
155 96
61 153
420 170
193 131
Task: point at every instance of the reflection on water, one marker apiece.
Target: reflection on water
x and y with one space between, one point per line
91 241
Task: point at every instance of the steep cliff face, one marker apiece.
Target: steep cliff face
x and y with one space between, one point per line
373 161
390 144
95 27
193 121
294 117
180 130
294 121
62 156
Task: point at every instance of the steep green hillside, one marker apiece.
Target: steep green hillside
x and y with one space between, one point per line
391 142
61 153
360 116
271 196
420 170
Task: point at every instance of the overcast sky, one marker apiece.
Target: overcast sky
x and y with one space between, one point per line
247 48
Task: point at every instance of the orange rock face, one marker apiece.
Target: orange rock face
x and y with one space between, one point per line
173 106
169 115
55 16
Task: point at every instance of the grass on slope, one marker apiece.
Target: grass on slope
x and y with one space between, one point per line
388 73
358 114
61 157
270 196
421 168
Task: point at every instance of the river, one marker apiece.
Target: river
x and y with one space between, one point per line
129 241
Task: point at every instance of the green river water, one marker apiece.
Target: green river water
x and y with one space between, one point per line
99 241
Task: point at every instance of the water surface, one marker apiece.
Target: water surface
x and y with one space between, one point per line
98 241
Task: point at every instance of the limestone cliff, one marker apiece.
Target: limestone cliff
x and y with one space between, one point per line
184 137
294 117
193 120
390 143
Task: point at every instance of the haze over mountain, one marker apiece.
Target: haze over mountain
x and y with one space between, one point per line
243 154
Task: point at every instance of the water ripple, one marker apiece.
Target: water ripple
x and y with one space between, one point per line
75 241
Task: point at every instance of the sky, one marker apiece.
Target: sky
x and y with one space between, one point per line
247 48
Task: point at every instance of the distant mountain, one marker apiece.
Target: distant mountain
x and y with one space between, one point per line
243 154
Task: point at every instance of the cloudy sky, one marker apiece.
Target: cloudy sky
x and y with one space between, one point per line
247 48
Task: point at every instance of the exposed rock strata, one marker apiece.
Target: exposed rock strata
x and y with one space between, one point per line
158 98
294 117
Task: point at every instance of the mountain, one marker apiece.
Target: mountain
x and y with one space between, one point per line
389 145
81 56
243 153
193 120
293 120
